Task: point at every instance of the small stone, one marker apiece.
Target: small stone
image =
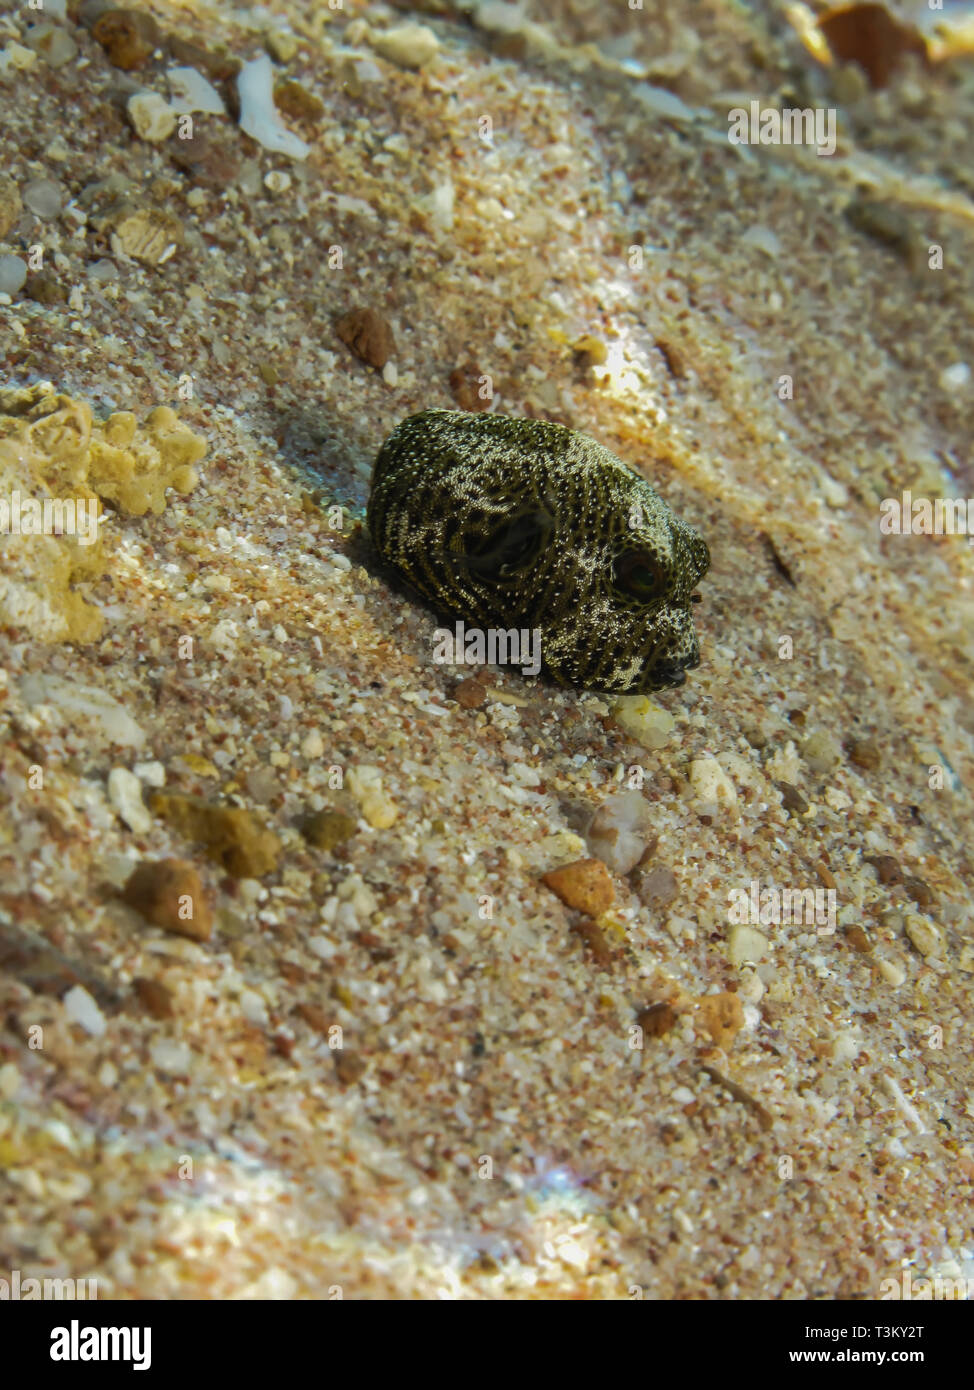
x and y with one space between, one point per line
657 1020
595 939
82 1009
584 885
792 799
864 753
710 785
216 62
18 57
408 45
887 868
659 887
282 45
857 939
349 1066
277 180
155 997
294 100
13 274
44 287
722 1016
821 752
169 893
326 829
171 1058
152 117
921 892
619 831
125 795
469 693
365 784
209 159
746 944
368 335
892 971
11 205
44 198
471 388
924 936
128 37
53 44
643 720
233 836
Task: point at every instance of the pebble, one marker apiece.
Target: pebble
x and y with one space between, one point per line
722 1016
657 1020
710 784
349 1066
128 37
328 828
149 235
469 693
924 936
82 1009
368 335
234 836
864 753
407 45
659 887
44 197
746 944
584 885
282 45
378 808
155 997
55 45
619 831
296 101
955 377
643 720
45 288
892 971
792 799
277 180
169 893
258 115
821 752
857 938
887 868
125 795
16 56
920 891
13 273
171 1058
152 117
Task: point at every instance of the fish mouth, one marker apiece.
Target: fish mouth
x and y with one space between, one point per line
667 674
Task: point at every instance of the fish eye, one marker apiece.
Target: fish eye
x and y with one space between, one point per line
638 574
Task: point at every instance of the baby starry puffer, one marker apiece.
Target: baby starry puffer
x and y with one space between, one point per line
511 523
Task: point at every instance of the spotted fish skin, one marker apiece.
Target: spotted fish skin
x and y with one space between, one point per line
513 523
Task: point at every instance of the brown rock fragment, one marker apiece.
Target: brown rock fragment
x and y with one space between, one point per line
129 37
169 894
864 753
154 996
366 333
792 799
293 99
349 1066
470 693
887 868
465 384
657 1020
857 939
595 939
233 836
722 1016
584 885
920 891
328 828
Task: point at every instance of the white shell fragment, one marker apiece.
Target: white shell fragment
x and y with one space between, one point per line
258 114
189 91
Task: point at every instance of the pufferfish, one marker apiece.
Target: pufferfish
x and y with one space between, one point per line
514 523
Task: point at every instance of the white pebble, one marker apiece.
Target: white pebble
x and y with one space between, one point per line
745 944
190 91
125 795
171 1058
13 274
407 45
43 197
82 1009
152 118
955 377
